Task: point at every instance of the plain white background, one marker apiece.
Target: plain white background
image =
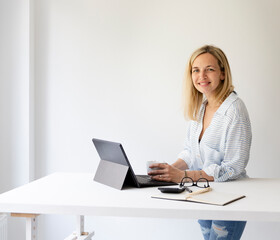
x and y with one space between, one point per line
73 70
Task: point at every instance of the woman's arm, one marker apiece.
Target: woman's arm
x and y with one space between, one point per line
237 151
180 164
176 172
195 175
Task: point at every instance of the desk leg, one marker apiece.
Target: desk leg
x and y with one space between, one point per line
80 233
31 225
31 228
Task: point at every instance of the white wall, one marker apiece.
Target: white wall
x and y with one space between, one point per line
14 99
113 70
14 94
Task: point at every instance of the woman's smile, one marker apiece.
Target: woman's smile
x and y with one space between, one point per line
204 83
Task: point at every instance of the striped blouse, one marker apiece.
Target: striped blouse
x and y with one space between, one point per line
224 149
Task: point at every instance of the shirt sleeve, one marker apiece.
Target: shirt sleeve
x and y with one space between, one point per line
185 155
237 150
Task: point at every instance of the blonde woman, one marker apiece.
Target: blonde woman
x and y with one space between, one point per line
219 133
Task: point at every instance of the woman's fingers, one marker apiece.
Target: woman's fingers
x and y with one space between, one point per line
159 168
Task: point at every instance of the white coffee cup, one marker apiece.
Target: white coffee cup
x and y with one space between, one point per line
149 163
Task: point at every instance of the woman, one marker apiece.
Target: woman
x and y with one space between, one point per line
218 134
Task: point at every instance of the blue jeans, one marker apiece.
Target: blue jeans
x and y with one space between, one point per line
221 230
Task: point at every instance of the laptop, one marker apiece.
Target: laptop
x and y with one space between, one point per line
115 170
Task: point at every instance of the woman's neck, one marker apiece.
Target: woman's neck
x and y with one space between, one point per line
212 103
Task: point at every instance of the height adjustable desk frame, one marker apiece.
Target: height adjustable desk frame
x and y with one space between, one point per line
31 227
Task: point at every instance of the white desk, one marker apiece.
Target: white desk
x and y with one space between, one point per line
77 194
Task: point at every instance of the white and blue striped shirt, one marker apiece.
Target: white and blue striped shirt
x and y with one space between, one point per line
224 149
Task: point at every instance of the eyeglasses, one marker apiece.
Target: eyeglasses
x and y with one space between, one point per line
187 182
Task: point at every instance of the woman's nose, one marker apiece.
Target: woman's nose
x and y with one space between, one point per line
202 75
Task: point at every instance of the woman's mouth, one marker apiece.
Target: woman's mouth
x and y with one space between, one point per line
204 83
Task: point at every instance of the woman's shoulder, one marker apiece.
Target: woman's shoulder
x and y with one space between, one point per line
237 108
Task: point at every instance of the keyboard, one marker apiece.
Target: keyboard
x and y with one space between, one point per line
146 180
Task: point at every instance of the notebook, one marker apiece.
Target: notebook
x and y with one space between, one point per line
210 196
115 170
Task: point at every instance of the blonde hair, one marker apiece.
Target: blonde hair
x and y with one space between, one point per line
192 98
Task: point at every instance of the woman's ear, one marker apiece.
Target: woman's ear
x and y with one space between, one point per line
223 76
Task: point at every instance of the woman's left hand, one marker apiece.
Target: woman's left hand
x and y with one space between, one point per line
166 173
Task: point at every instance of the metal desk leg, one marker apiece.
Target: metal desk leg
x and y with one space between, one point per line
31 228
80 233
31 224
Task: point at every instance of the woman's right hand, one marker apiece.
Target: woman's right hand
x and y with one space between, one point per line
166 172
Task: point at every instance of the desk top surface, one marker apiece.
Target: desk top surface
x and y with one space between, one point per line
78 194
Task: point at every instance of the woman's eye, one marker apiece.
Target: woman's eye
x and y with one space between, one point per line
210 69
195 70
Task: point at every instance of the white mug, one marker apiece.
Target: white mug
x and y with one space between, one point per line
149 163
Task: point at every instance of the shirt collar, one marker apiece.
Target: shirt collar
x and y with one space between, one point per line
226 103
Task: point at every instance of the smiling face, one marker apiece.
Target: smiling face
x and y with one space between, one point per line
206 74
